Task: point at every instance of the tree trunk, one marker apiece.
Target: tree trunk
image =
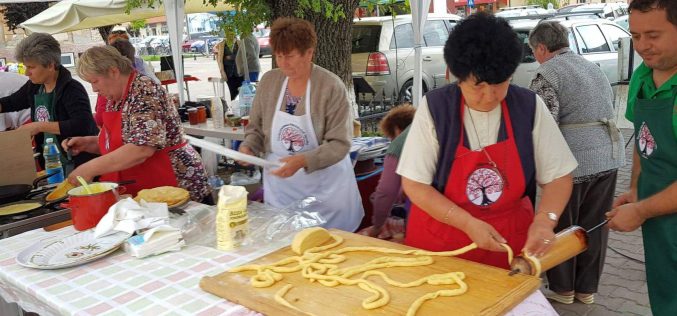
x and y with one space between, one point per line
104 31
485 198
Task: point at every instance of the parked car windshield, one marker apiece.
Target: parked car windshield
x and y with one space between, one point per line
365 38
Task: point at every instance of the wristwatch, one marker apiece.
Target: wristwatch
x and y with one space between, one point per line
551 216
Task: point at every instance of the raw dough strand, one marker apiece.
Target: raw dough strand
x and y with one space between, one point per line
463 287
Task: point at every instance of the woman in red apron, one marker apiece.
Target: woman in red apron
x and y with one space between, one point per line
141 138
477 149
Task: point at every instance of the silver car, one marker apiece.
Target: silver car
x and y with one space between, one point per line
595 39
383 54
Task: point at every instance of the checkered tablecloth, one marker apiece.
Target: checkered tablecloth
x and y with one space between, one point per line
123 285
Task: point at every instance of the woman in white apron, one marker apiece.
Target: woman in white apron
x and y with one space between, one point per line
301 117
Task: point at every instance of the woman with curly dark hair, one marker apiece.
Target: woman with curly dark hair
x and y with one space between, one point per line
476 150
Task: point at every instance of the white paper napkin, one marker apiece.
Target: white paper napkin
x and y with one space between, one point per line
128 216
155 241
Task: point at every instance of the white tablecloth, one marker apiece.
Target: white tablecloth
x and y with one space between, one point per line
123 285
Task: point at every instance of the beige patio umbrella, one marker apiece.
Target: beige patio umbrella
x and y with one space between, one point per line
72 15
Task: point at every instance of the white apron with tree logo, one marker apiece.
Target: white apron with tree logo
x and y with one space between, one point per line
335 186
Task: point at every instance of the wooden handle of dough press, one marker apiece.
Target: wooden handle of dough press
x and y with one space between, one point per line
58 225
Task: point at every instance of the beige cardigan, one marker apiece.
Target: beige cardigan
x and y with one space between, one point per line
329 111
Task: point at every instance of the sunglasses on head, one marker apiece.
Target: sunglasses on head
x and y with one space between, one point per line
118 32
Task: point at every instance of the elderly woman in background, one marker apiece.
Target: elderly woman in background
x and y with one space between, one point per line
301 117
141 138
142 67
580 99
395 126
59 104
476 150
127 50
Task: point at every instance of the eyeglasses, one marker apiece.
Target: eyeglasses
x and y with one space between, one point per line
119 32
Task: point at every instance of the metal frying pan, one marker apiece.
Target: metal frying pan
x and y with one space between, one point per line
15 192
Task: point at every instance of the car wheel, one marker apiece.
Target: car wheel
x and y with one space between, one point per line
407 91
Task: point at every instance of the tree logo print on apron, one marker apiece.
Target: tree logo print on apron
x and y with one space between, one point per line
647 144
484 186
293 138
41 114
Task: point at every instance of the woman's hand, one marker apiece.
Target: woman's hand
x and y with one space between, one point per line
540 237
292 164
375 231
245 150
484 235
82 171
77 145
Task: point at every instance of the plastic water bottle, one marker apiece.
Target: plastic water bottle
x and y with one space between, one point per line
217 112
247 91
52 162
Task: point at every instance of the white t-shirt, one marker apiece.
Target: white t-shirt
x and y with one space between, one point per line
12 82
418 162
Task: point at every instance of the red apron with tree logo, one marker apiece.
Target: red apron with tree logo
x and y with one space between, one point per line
489 184
154 172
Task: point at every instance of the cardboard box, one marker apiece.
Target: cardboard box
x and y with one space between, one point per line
16 154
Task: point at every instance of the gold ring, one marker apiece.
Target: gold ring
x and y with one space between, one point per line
546 241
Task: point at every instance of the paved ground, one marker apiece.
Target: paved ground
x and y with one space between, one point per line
623 289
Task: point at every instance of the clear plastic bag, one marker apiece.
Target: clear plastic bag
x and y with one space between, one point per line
266 224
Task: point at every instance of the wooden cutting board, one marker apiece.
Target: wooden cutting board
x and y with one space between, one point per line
490 290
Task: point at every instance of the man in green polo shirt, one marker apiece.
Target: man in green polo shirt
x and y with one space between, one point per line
652 199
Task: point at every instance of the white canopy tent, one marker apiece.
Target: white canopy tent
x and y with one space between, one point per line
419 14
71 15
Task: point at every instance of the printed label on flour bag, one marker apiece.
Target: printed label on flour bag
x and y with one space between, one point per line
231 219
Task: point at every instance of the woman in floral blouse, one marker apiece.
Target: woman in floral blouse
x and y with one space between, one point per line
141 138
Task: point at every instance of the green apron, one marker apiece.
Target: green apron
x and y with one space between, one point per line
657 147
43 111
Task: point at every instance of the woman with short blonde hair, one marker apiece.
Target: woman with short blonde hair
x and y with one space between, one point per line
141 138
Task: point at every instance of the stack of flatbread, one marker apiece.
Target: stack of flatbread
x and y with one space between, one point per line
173 196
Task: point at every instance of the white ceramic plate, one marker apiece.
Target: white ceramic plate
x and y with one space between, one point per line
232 153
70 251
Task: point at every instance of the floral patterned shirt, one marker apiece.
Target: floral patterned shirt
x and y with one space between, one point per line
148 119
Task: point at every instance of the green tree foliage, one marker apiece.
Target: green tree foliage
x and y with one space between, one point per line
137 25
544 3
17 13
392 7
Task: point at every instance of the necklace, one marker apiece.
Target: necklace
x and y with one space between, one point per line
477 136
